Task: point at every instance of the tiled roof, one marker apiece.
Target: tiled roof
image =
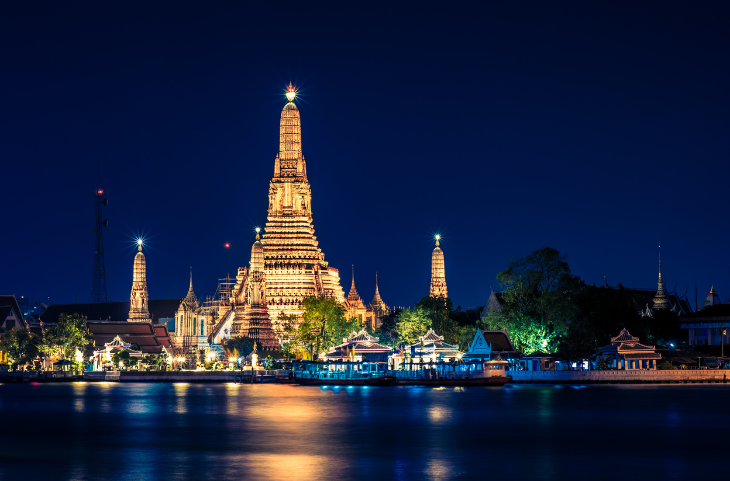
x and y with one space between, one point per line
499 340
634 346
431 336
361 336
624 336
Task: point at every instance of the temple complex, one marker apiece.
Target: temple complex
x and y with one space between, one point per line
139 297
370 315
251 314
294 265
438 276
626 353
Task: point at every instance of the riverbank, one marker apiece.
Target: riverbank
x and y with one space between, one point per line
701 376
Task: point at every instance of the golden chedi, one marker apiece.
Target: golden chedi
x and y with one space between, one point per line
294 265
251 302
438 276
139 297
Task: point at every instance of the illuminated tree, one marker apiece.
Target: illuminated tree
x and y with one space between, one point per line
413 323
67 335
21 346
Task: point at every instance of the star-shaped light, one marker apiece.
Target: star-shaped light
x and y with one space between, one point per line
291 93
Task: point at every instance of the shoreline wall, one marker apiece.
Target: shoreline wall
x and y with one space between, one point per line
628 377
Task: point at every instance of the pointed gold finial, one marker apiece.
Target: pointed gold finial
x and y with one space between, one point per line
139 244
291 93
258 229
438 238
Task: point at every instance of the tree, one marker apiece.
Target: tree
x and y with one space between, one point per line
67 335
388 330
413 323
540 287
21 346
440 311
239 346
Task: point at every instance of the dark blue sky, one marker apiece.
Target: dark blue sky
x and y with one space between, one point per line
598 128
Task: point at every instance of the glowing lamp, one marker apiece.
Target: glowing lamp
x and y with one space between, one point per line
438 237
258 229
291 93
139 242
228 245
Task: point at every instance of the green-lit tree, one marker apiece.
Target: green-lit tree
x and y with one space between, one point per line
239 346
21 346
412 323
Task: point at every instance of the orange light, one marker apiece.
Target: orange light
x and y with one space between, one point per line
228 245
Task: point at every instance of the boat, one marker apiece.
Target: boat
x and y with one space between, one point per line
466 373
342 373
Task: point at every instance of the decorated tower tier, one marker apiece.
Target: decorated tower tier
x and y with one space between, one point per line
294 265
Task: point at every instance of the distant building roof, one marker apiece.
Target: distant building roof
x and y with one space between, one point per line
114 311
151 338
9 307
499 340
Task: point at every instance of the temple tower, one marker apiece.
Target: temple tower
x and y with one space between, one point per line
191 327
378 307
251 312
293 263
661 300
139 298
438 276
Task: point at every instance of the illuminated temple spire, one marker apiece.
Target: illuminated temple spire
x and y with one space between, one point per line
253 320
438 276
661 300
294 264
353 295
376 298
139 298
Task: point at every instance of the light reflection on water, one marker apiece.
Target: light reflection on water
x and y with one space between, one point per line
228 431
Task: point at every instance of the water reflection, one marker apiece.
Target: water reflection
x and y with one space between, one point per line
229 431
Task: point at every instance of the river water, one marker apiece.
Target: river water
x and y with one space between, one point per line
225 431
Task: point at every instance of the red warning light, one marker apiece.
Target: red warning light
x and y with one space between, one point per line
99 192
228 245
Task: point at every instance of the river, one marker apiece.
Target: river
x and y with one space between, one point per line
85 431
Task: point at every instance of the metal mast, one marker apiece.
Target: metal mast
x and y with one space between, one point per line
98 277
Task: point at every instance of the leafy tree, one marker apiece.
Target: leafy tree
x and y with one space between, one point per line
540 288
440 311
388 330
67 335
413 323
134 346
239 346
21 346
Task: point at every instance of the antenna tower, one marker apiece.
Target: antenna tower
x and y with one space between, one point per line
98 277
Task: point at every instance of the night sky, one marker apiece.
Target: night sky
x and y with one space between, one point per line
597 128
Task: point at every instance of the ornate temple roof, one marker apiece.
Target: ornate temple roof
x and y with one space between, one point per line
712 298
361 336
624 336
190 300
353 296
431 336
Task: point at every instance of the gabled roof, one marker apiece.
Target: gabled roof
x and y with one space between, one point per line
499 340
431 336
361 336
718 310
624 336
10 303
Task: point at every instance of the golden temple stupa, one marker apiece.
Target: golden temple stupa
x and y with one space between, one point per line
294 265
139 297
438 275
